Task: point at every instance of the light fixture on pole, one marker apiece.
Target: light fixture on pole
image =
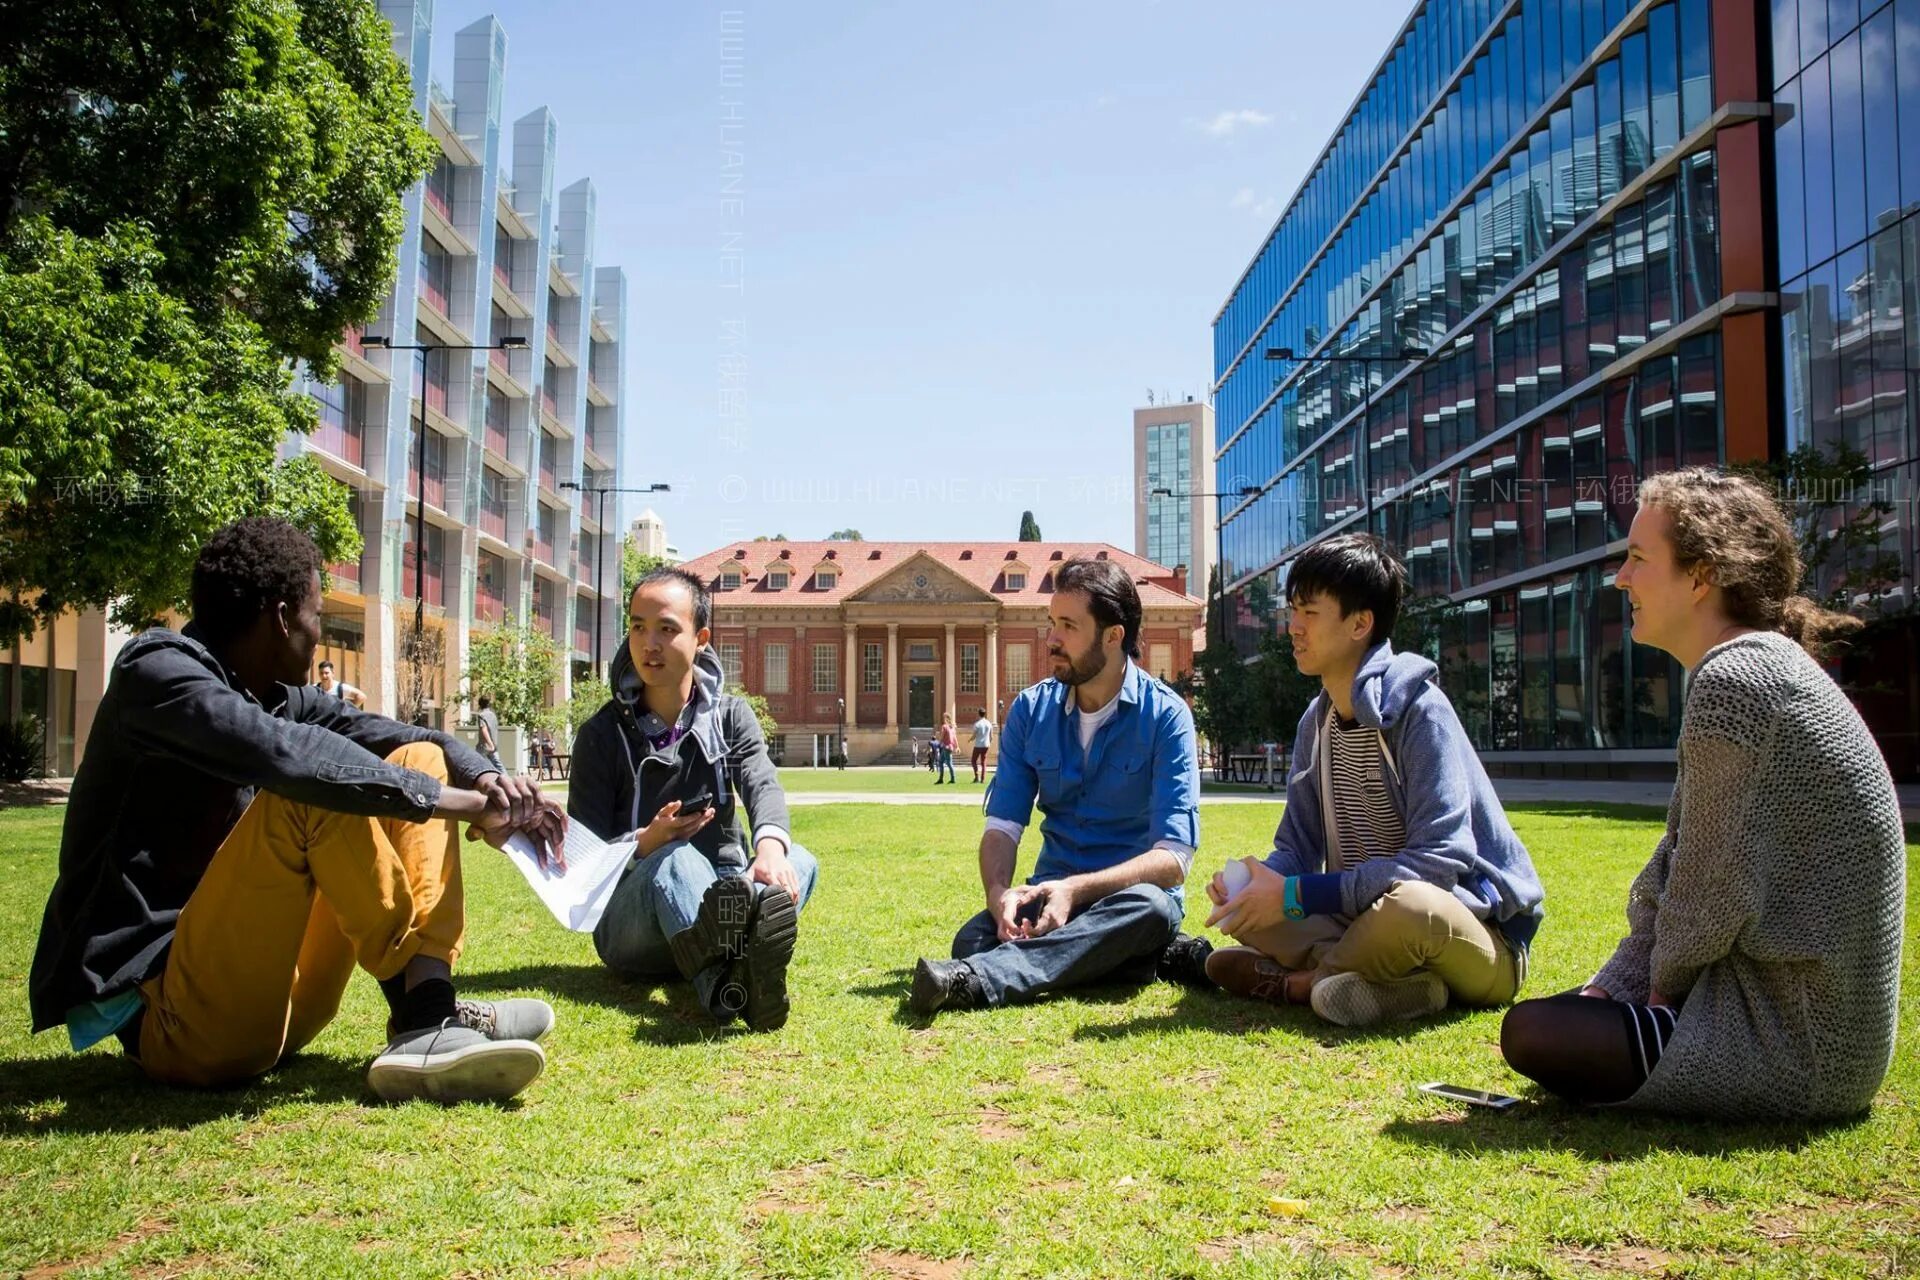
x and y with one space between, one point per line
1220 545
416 663
599 546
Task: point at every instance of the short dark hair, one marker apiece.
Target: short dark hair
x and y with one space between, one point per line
702 595
326 664
983 711
1111 597
245 570
484 702
1358 571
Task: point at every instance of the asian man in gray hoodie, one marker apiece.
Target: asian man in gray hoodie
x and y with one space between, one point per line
667 763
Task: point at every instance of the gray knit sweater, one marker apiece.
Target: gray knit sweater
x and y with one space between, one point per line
1773 904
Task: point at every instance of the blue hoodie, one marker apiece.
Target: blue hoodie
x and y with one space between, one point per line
1458 837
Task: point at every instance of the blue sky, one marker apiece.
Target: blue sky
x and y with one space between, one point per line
970 237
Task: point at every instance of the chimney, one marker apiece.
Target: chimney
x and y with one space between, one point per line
1180 578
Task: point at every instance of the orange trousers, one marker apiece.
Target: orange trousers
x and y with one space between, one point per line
294 898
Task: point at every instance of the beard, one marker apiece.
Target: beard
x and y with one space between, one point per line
1081 670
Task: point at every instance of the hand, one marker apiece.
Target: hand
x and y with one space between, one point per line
1596 993
545 826
772 866
1261 905
519 795
1657 1001
1046 906
669 825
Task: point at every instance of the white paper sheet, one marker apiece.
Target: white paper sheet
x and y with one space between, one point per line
579 897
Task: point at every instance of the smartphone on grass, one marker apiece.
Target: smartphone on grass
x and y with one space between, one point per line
1472 1097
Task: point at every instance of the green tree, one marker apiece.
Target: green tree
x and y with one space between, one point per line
634 565
1029 527
845 535
589 695
515 664
761 712
191 199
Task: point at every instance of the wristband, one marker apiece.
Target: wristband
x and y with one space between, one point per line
1290 899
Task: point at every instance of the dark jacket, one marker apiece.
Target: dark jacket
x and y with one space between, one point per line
177 752
619 781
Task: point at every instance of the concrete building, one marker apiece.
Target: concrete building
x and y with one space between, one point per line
493 248
1175 514
882 637
649 534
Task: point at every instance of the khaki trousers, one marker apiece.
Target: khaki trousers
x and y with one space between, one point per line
293 899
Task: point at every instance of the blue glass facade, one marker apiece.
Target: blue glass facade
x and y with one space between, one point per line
1526 197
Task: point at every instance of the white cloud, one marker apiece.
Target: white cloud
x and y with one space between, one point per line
1242 199
1259 206
1228 121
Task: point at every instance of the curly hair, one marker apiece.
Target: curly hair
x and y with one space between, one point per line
245 570
1730 527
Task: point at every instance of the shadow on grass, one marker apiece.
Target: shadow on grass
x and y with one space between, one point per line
1198 1010
1545 1123
106 1093
1598 810
679 1020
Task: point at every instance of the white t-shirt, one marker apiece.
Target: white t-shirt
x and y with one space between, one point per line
983 732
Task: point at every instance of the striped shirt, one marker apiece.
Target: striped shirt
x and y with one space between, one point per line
1368 824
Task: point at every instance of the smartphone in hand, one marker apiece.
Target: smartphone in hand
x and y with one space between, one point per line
698 802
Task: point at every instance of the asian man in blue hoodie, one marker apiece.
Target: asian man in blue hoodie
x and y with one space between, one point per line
1395 885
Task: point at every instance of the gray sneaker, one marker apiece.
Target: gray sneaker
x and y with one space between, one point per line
454 1063
1349 1000
516 1019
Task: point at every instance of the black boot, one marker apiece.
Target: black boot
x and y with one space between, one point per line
719 931
945 984
1184 960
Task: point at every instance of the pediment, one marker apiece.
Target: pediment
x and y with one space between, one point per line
920 579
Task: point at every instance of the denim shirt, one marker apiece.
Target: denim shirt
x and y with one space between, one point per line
1137 784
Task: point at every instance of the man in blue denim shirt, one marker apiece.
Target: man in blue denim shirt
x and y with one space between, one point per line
1108 753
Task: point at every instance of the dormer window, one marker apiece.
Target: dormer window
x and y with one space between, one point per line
1016 580
729 580
778 579
824 579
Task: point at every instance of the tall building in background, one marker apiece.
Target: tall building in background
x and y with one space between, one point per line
493 249
1554 246
649 534
1174 513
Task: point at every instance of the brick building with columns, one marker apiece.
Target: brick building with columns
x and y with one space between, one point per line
895 633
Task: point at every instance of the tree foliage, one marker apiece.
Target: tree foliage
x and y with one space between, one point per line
634 565
1029 527
191 199
515 664
1840 511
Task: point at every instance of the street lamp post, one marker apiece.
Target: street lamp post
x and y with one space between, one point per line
1219 543
599 547
508 343
843 733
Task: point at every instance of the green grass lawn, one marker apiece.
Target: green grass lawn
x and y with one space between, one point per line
918 781
1123 1132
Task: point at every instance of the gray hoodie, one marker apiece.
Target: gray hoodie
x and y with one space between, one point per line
620 779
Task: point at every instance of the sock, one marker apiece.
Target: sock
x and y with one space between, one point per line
427 1004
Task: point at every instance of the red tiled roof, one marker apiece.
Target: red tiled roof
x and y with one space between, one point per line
861 564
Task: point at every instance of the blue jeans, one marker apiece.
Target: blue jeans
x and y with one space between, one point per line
943 761
657 898
1121 935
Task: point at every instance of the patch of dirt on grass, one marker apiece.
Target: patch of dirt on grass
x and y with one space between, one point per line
996 1125
192 1264
145 1230
1406 1213
913 1266
1622 1259
1227 1248
1064 1079
790 1190
614 1252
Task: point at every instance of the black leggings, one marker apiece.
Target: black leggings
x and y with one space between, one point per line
1586 1049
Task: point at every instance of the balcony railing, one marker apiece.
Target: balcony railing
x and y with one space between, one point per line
504 276
430 586
549 473
351 341
495 437
488 607
543 549
438 200
433 295
436 487
583 629
500 361
548 403
345 574
436 396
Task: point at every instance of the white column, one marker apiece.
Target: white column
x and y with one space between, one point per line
992 687
851 660
947 694
893 677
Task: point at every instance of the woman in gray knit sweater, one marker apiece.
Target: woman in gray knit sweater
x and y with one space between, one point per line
1761 973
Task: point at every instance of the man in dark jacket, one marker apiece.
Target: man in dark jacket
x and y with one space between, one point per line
664 764
237 841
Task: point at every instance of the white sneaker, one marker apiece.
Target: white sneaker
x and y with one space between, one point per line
1349 1000
454 1063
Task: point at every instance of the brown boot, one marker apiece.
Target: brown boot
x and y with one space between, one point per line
1246 972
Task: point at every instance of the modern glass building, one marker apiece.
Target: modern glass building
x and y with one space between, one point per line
1539 260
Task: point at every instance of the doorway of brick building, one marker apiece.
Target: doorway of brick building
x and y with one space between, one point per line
920 703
